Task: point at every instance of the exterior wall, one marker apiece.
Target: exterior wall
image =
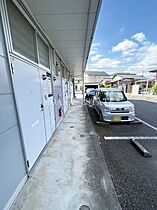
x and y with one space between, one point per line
38 112
39 103
12 166
96 78
147 97
93 79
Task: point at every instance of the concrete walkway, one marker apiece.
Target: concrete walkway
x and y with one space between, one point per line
71 171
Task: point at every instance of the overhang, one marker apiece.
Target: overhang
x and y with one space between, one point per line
70 25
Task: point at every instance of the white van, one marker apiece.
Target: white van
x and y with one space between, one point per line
113 106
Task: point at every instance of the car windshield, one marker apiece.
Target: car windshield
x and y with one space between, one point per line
112 96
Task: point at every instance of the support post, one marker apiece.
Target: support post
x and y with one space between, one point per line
83 89
73 82
147 86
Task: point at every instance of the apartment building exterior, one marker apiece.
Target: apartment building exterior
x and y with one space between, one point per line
35 79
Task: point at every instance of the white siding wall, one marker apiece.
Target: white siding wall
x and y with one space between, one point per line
12 167
31 90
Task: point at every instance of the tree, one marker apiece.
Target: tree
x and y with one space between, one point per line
154 90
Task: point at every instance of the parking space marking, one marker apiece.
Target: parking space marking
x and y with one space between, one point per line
130 137
149 125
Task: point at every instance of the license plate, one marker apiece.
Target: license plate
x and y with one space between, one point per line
116 119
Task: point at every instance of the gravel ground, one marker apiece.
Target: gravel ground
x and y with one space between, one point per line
133 176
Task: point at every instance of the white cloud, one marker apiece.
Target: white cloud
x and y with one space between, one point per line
96 44
98 61
93 52
95 57
129 52
140 37
133 56
146 59
103 63
125 45
150 57
94 48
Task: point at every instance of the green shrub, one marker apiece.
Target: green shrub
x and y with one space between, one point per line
154 90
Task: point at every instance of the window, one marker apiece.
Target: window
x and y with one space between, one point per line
66 73
23 34
58 70
68 76
43 50
58 66
62 70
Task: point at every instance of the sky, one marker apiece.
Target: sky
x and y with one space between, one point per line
125 39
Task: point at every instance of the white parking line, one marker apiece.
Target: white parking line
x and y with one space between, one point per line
151 126
130 137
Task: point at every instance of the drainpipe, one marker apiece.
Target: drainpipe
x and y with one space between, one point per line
73 82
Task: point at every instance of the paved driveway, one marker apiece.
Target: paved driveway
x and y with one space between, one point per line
134 176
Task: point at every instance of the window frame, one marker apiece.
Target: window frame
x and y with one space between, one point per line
38 30
48 45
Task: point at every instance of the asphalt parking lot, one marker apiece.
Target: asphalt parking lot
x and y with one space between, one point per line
134 177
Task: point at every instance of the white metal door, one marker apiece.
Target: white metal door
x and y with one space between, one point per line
47 97
28 96
57 90
65 94
51 106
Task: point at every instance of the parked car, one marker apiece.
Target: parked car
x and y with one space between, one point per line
90 93
113 106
